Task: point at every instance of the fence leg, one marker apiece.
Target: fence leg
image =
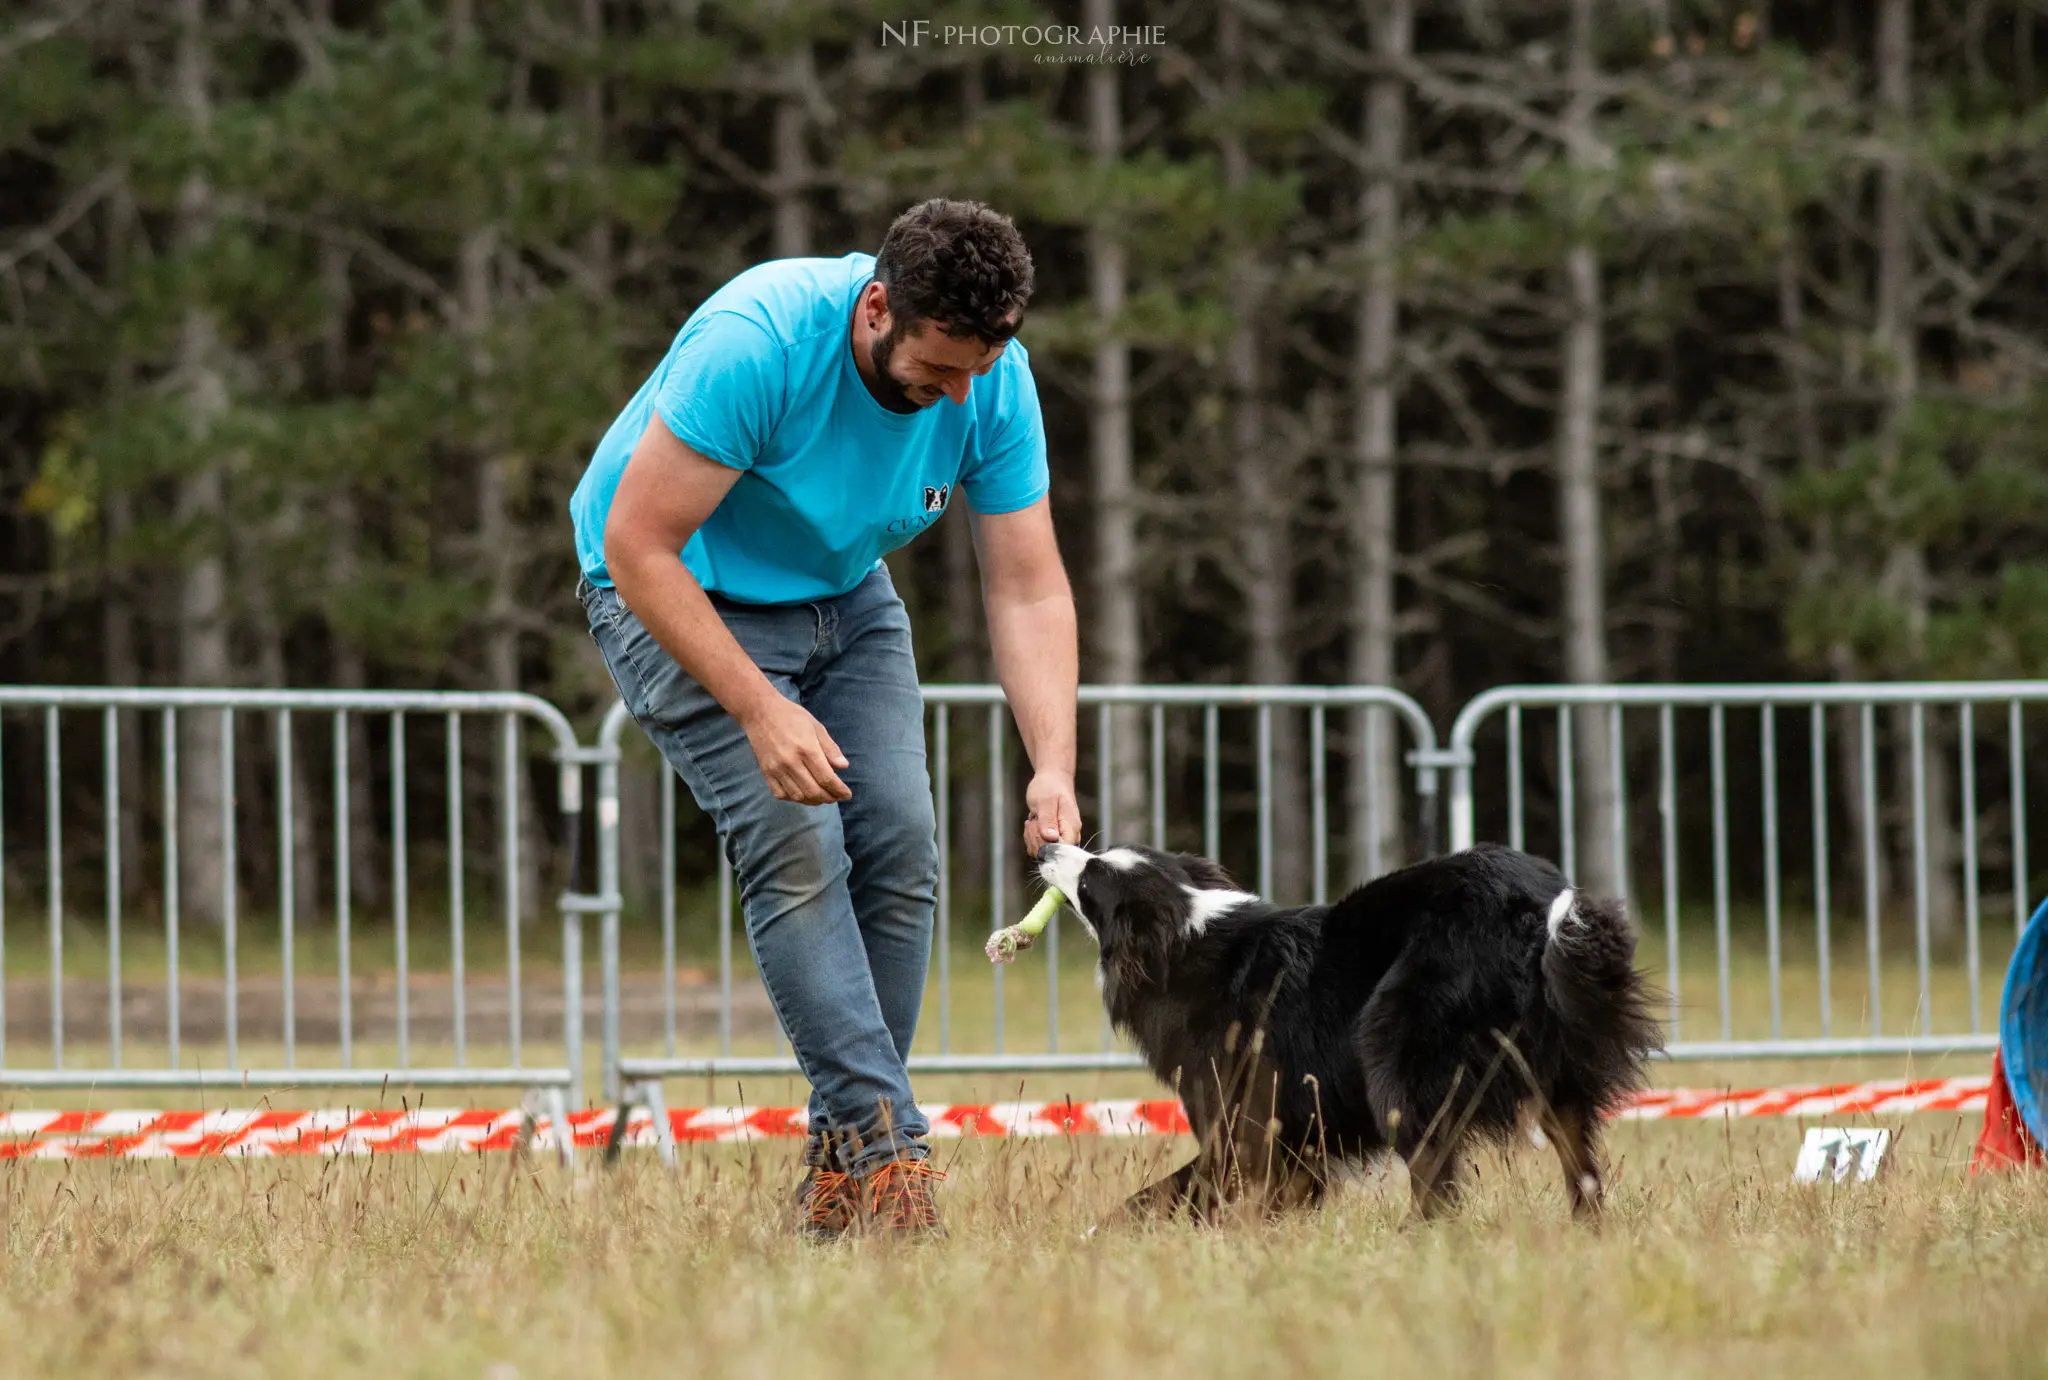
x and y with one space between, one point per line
551 1105
630 1096
562 1133
664 1130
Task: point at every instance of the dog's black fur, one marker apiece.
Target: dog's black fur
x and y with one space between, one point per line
1432 1007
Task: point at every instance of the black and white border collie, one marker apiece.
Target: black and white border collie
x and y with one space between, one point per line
1436 1006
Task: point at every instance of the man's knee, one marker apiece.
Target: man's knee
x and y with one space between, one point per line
787 858
898 847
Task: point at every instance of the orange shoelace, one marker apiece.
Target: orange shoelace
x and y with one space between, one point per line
907 1186
832 1194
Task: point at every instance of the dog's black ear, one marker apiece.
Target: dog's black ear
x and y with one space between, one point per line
1206 874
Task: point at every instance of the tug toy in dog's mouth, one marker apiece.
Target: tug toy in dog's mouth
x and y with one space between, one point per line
1004 945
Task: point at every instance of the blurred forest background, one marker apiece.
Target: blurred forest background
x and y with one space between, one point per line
1430 343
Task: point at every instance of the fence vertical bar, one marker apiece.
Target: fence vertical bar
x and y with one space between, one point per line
458 1007
1265 731
1667 806
1517 830
1105 799
2022 899
401 904
1567 795
1620 812
287 885
1718 725
1319 818
1158 735
942 780
1212 821
998 858
111 750
1966 736
1769 743
53 842
1867 721
1820 861
668 909
1370 721
572 1000
3 898
171 1014
607 925
1105 776
508 864
229 920
725 955
343 903
1923 957
1052 964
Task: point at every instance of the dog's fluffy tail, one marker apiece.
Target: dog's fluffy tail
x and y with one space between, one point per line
1599 1002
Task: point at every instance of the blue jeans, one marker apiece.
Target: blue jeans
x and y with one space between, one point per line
838 898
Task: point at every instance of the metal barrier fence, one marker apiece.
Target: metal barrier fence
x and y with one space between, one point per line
1741 800
1932 822
1183 742
242 1023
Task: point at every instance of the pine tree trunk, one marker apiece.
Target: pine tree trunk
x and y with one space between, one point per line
365 867
202 616
790 181
119 624
1845 751
498 537
967 664
1265 551
257 756
1119 646
1906 575
1579 507
1376 785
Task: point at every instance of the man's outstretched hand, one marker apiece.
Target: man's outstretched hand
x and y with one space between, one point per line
1051 812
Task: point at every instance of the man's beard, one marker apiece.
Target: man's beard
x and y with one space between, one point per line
889 392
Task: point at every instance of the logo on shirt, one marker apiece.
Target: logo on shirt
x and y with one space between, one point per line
935 499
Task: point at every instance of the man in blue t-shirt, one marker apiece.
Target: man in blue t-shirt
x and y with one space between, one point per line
811 416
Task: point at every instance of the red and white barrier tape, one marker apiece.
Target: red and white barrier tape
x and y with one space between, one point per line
191 1135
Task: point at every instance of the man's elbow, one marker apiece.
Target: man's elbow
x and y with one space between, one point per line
625 554
1045 593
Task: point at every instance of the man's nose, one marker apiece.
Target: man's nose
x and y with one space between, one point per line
956 388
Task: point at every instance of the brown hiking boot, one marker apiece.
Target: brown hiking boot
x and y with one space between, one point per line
827 1204
899 1200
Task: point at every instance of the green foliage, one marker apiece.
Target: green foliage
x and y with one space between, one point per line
419 258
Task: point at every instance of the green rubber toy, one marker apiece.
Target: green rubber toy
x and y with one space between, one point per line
1005 944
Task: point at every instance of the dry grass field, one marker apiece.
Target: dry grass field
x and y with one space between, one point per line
1711 1263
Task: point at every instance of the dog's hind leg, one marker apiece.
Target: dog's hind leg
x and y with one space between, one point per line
1163 1197
1576 1136
1435 1178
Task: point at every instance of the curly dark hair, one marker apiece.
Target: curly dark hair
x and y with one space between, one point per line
956 262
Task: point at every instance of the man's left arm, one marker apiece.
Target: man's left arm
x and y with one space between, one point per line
1032 631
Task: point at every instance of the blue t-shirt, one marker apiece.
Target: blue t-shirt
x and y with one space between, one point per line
761 378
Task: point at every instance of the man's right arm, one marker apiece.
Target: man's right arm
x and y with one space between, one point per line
665 494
